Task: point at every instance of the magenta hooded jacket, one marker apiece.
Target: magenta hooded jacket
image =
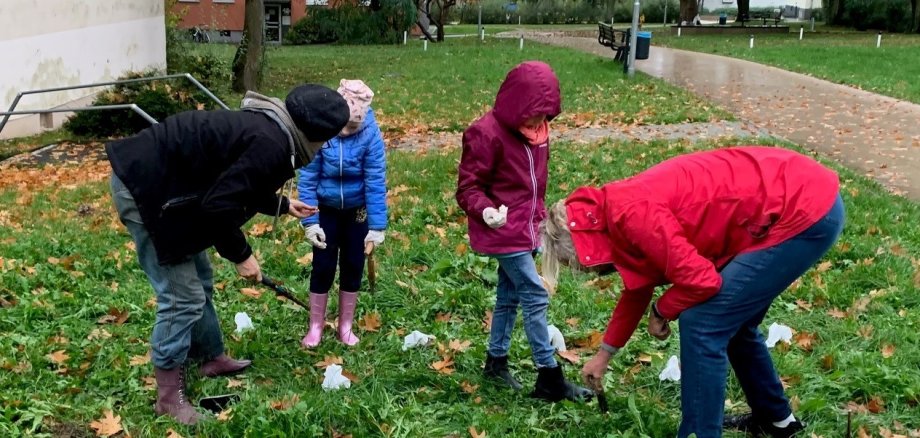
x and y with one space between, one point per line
499 167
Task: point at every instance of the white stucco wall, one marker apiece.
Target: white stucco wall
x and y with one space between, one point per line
53 43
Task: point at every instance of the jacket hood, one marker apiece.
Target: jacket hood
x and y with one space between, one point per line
529 90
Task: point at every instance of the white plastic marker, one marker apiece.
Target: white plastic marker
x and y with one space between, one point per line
426 45
482 34
405 37
878 42
521 46
752 41
801 32
678 31
671 371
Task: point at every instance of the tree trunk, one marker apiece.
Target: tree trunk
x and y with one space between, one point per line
247 63
744 10
915 14
688 11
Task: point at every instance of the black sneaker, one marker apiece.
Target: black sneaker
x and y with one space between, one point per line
747 423
497 368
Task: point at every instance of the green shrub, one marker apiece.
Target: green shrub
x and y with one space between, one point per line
160 99
355 24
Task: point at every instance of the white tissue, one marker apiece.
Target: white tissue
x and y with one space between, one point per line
778 332
415 339
243 322
671 371
334 378
555 338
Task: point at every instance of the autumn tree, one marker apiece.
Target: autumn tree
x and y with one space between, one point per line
247 63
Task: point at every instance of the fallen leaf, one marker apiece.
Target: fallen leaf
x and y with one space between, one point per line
443 366
805 305
151 303
804 340
475 434
825 266
259 229
306 260
234 383
350 376
458 345
460 249
225 415
860 305
285 403
329 360
570 355
140 360
866 331
827 362
876 405
114 316
58 357
250 292
370 322
888 350
644 358
150 382
862 432
572 322
170 433
592 341
468 387
108 425
442 317
837 313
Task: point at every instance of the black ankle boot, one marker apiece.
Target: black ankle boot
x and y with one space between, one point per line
552 386
497 368
758 428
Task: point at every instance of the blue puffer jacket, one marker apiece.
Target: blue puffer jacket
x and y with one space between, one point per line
349 172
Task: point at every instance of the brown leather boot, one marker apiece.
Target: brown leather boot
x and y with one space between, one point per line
171 396
223 365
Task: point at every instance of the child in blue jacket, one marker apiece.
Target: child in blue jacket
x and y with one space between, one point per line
347 180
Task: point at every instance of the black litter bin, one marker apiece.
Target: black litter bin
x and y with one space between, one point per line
643 42
723 18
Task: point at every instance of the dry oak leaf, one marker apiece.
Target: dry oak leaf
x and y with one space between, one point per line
251 292
443 366
888 350
458 345
329 360
475 434
140 359
285 403
58 357
443 317
225 415
468 387
570 355
108 425
370 322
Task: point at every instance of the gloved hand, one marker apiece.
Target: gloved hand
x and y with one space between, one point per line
374 236
495 218
316 236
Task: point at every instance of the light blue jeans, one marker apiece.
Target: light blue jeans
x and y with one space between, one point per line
186 325
519 284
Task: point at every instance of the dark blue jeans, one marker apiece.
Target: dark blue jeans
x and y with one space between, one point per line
725 329
345 232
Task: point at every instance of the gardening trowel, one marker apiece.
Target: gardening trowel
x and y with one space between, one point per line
371 266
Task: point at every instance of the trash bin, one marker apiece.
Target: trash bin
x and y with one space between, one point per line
723 18
643 41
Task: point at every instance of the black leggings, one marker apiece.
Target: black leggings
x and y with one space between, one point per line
345 232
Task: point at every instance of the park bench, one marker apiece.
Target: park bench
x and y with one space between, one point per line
618 40
776 17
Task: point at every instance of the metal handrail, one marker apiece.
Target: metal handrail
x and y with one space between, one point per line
6 114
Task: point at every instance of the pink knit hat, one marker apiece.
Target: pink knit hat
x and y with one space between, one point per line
359 97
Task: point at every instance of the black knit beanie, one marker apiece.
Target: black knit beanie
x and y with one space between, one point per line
320 112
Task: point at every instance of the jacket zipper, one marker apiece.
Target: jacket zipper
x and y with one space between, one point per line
533 204
341 176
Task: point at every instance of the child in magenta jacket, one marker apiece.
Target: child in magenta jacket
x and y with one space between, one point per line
501 185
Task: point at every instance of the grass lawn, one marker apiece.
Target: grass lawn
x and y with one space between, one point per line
77 314
453 83
844 57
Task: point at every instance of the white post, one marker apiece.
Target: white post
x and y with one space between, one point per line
801 32
678 30
752 41
519 20
632 39
812 24
482 34
665 13
426 45
878 42
521 46
405 37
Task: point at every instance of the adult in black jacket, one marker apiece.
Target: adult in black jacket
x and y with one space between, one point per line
190 183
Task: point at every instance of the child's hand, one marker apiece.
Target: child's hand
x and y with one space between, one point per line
300 210
495 218
316 236
374 236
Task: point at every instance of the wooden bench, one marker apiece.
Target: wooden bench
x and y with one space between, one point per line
762 15
618 40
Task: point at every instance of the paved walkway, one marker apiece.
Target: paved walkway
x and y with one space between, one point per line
876 135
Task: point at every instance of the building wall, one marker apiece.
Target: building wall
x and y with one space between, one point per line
53 43
228 16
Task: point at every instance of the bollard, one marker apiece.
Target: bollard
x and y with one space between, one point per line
752 41
426 45
812 24
519 20
405 37
678 31
521 47
801 32
878 42
482 34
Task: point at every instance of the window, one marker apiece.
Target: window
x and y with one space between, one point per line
189 1
224 1
317 2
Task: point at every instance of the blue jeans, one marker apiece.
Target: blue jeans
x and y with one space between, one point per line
725 329
186 323
520 285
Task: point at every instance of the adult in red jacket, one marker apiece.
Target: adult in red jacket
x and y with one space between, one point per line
729 230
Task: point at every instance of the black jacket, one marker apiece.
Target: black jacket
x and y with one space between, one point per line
198 176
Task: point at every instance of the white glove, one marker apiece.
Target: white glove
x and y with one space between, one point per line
375 236
316 236
495 218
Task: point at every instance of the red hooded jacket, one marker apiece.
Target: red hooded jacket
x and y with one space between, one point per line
682 221
499 166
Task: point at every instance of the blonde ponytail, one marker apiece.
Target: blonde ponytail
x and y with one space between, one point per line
558 248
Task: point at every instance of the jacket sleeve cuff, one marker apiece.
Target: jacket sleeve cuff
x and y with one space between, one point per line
663 309
609 348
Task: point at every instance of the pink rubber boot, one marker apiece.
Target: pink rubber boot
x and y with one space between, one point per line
347 303
317 320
